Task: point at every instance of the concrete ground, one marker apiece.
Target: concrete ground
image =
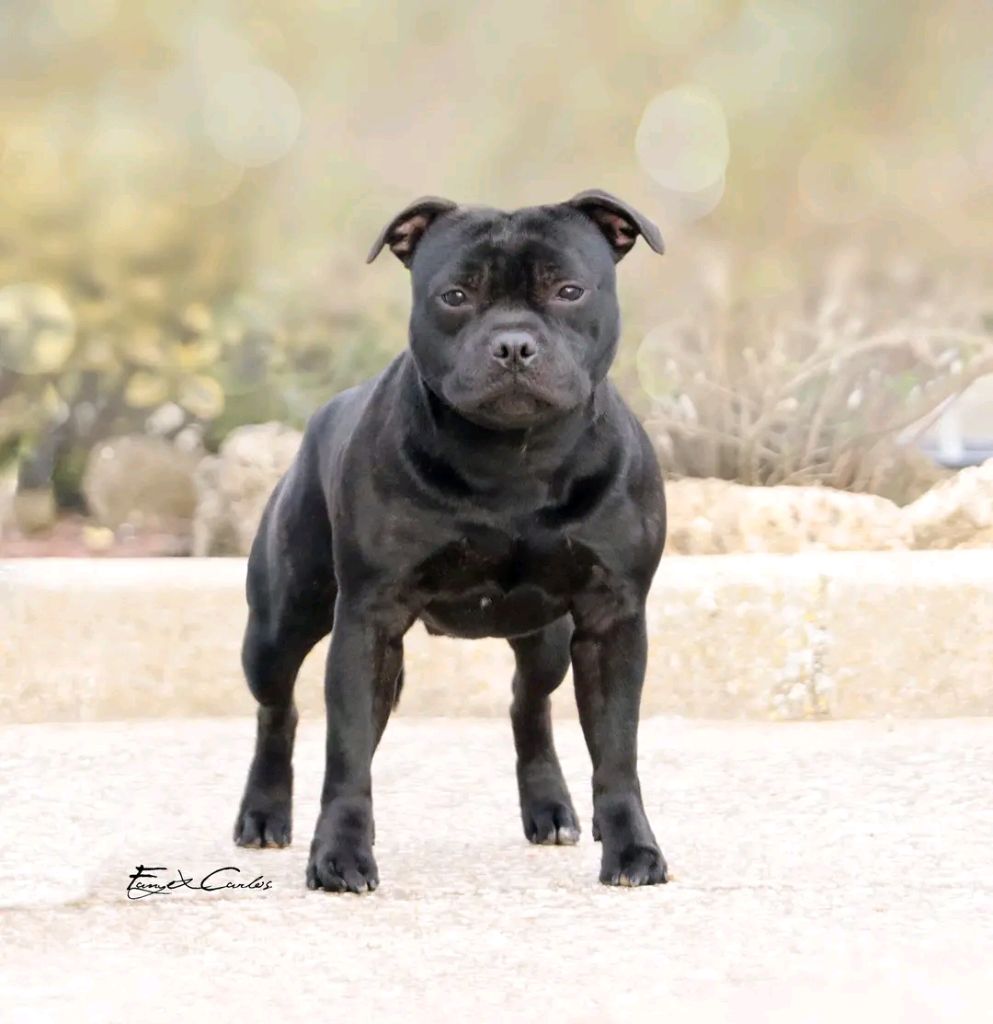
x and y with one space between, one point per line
820 870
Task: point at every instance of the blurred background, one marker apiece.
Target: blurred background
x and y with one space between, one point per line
190 188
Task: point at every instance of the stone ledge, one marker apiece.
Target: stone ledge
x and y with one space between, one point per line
735 636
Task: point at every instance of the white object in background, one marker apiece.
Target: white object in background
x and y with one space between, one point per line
951 448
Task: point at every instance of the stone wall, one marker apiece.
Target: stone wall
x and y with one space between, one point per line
831 634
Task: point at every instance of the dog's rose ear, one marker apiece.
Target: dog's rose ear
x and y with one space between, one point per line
620 224
403 233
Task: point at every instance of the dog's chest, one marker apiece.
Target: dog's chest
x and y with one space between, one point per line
492 582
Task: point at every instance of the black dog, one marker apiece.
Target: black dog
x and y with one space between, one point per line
490 482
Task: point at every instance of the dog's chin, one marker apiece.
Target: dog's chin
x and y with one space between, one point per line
514 408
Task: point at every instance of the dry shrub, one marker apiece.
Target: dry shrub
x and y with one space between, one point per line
829 387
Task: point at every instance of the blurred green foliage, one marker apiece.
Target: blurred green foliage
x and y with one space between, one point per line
189 188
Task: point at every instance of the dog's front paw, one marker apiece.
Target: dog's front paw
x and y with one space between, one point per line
550 822
633 864
263 822
341 865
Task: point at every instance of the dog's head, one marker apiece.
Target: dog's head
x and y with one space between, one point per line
514 319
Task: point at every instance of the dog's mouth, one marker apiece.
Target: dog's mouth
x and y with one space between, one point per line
517 409
516 402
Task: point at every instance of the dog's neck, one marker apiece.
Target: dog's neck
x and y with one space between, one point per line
491 457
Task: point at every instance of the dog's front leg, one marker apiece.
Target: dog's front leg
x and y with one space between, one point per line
608 662
364 663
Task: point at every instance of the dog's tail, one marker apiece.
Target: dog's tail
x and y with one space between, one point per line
397 689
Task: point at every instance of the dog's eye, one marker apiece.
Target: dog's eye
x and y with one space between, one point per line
454 297
569 292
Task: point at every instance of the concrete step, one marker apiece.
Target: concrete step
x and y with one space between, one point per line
735 636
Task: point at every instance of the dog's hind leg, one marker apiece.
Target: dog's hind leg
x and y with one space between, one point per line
271 661
291 604
542 662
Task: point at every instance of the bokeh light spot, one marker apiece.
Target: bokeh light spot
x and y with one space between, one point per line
203 396
145 390
682 140
657 372
251 116
37 329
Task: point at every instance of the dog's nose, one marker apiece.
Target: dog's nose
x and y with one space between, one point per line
513 349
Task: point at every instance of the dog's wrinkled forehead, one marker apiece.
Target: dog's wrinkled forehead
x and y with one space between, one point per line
479 246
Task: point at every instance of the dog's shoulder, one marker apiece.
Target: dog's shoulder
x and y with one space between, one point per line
626 525
621 431
361 408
